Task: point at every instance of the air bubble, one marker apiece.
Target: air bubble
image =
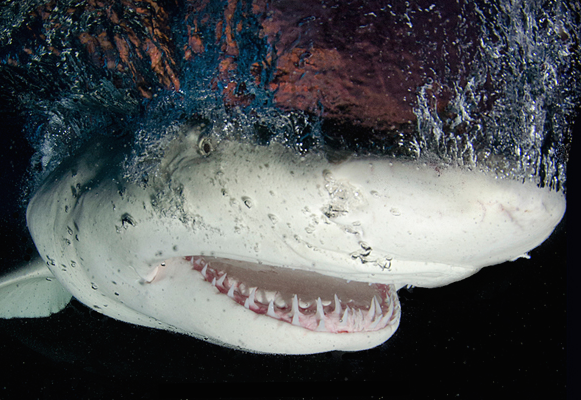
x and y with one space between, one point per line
364 246
247 201
126 220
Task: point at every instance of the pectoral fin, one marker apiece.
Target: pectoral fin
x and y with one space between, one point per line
31 292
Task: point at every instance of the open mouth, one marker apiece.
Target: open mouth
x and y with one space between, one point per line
302 298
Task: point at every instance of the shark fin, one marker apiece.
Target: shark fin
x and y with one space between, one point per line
31 291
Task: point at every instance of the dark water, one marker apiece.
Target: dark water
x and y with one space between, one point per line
484 86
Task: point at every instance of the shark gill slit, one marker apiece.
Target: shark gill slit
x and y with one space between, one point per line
302 298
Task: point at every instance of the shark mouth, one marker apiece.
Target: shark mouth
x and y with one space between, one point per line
302 298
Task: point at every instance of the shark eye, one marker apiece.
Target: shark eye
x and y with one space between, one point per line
205 146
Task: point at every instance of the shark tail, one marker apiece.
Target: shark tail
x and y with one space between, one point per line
31 291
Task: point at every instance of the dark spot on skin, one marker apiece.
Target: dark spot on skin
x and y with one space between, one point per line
127 219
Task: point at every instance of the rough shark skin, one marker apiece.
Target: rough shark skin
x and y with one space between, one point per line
130 252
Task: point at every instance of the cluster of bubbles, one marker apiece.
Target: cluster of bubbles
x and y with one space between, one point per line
531 47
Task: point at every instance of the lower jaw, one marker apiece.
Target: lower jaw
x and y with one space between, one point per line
301 298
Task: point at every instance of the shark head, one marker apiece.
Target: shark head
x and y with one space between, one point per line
262 249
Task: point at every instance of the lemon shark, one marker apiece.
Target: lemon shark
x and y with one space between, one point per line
259 248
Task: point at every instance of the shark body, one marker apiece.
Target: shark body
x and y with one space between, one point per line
261 249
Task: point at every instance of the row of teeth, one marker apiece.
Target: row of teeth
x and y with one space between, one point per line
320 315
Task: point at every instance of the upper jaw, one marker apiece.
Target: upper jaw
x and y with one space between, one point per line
365 219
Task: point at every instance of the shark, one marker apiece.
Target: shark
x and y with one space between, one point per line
261 248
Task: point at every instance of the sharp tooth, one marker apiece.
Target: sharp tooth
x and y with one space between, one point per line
270 311
232 281
243 289
374 324
231 292
383 322
279 301
260 297
378 315
344 319
337 310
389 311
221 280
266 296
296 312
295 304
204 270
304 304
388 314
359 319
214 281
371 311
378 309
250 299
320 311
321 326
